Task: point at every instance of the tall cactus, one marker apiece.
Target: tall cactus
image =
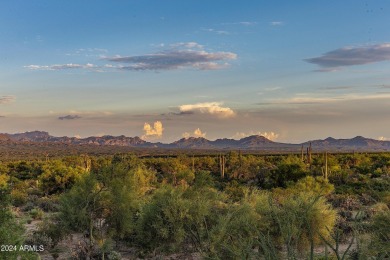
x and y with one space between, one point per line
326 165
222 162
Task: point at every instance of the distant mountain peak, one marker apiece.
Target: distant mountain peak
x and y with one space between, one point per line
254 142
256 138
359 137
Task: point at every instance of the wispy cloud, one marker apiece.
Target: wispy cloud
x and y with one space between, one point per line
220 32
311 100
88 52
197 133
337 88
153 132
182 55
180 113
276 23
7 99
244 23
69 117
273 88
178 56
188 45
247 23
62 66
211 108
350 56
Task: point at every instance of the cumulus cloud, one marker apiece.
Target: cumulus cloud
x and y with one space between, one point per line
212 108
197 133
153 132
62 66
269 135
69 117
349 56
7 99
382 138
177 56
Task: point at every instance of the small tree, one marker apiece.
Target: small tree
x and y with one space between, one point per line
83 209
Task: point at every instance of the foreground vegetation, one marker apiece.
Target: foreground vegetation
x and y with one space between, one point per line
229 206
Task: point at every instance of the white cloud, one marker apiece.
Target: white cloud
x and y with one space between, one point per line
188 45
197 133
220 32
61 66
245 23
212 108
310 100
88 52
269 135
273 88
276 23
248 23
154 132
382 138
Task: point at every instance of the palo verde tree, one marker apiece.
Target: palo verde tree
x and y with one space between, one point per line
83 209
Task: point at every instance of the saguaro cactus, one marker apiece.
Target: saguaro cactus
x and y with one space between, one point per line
222 162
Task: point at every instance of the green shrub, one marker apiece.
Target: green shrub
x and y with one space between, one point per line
161 221
380 235
18 197
48 204
36 213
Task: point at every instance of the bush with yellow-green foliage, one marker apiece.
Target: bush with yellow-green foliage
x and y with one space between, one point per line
379 246
261 224
3 180
244 230
57 177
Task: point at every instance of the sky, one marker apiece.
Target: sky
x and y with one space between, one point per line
166 69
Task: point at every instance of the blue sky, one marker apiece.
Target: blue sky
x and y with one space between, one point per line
291 71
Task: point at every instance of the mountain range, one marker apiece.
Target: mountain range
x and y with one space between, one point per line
254 142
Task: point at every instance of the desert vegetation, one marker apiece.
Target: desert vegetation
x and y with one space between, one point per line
216 206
